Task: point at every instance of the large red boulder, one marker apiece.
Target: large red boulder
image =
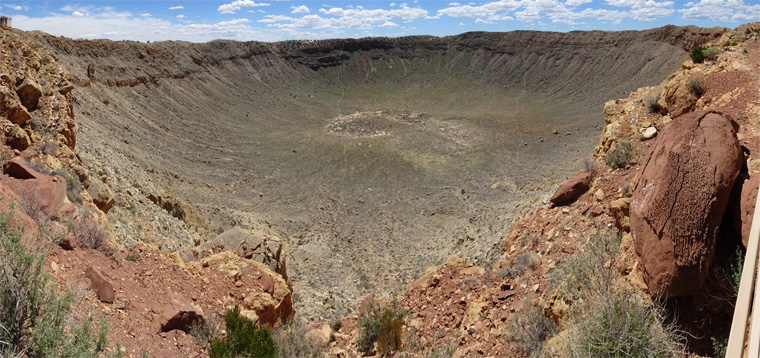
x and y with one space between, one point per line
572 188
743 205
37 194
178 313
680 198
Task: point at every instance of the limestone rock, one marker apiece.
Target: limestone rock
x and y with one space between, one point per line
680 198
101 195
11 108
620 211
29 92
321 334
178 313
676 98
572 188
102 287
648 133
16 138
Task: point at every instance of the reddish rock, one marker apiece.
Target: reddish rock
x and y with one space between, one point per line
572 188
597 210
102 287
179 313
366 305
40 193
267 283
743 205
680 198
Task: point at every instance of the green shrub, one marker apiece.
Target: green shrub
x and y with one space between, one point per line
620 156
132 257
243 339
591 270
618 324
35 320
734 43
711 53
381 325
696 86
698 54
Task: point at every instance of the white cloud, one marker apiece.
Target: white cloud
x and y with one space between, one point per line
106 23
16 7
645 10
236 5
146 14
77 14
491 11
577 2
331 20
721 10
481 21
178 7
180 16
299 9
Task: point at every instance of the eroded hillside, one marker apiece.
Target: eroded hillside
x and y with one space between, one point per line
371 159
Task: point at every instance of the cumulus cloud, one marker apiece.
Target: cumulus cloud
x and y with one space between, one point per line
106 23
178 7
180 16
721 10
561 11
331 20
77 14
236 5
299 9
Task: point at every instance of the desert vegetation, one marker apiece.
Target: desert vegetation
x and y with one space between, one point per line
36 316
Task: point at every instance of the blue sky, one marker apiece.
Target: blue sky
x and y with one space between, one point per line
273 20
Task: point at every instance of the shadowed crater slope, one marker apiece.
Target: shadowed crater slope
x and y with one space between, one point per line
371 158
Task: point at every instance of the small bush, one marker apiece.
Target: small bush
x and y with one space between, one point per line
652 104
711 53
696 86
591 270
590 165
389 337
88 230
73 186
291 342
698 54
620 156
132 257
734 43
529 330
35 320
381 325
620 324
243 339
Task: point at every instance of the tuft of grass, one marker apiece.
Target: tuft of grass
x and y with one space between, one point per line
529 330
652 104
381 325
291 342
243 339
621 155
132 257
711 53
696 86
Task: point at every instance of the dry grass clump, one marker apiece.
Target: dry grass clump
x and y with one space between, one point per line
529 330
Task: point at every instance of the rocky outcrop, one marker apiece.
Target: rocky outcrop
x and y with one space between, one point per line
680 198
102 286
29 92
572 188
743 206
179 313
102 196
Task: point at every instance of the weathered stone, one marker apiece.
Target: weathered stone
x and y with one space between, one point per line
619 209
178 313
680 198
572 188
101 195
648 133
100 284
17 138
29 92
743 206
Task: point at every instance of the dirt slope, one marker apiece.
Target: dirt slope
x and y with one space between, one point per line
371 158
